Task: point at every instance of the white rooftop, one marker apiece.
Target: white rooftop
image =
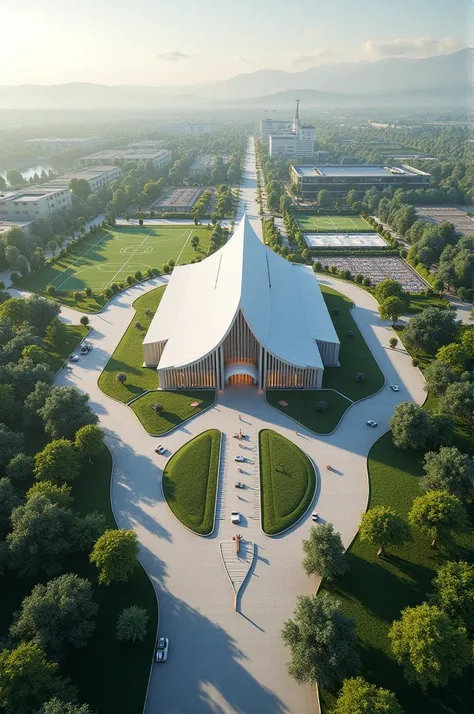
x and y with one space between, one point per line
281 302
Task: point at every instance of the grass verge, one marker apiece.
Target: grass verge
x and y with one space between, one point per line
301 407
190 481
177 408
58 354
287 482
375 591
128 356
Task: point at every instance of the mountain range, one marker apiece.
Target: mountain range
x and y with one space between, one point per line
388 81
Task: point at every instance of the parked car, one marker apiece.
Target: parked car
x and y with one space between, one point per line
73 358
394 387
86 348
235 517
162 649
239 484
315 516
239 458
160 449
371 422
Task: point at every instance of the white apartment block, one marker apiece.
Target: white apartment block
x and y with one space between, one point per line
26 226
30 204
52 146
298 140
97 177
160 158
274 126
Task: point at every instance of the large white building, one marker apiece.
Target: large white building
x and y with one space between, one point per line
274 126
96 176
52 146
160 158
244 315
297 142
28 204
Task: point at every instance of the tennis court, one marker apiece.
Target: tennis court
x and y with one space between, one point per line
111 255
310 223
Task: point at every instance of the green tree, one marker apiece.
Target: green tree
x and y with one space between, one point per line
27 679
437 513
392 308
195 242
8 403
58 462
430 330
383 527
132 624
89 440
34 401
80 187
59 706
65 411
389 288
11 444
458 401
116 555
429 647
20 468
454 592
57 615
324 198
358 696
59 495
84 320
449 470
454 356
322 642
40 313
412 426
56 332
8 501
324 552
15 178
121 377
35 354
438 377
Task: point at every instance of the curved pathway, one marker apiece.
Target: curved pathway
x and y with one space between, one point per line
223 661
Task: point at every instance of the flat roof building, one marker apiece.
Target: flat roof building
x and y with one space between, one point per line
297 141
160 158
52 146
26 226
274 126
147 145
202 166
339 179
32 203
244 315
178 200
97 177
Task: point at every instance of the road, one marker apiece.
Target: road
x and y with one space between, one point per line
221 660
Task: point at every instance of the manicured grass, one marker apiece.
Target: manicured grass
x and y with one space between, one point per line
111 255
190 481
418 303
111 677
354 356
58 354
287 482
301 407
375 591
177 408
310 223
128 357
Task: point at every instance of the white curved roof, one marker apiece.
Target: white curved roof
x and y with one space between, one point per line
281 302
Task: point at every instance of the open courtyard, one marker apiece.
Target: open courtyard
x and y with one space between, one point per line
311 223
109 256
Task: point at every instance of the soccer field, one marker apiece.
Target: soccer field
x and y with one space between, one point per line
327 224
111 255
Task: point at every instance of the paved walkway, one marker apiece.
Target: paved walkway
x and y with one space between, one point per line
222 660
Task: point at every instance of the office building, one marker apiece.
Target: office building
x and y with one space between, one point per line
299 142
97 177
160 158
31 203
53 146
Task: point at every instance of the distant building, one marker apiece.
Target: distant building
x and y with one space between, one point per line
202 167
160 158
97 177
178 200
147 145
299 142
273 126
32 203
26 226
192 129
53 146
340 179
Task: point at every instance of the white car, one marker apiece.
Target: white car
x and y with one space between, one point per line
371 422
73 358
315 516
235 517
160 449
239 458
162 649
394 387
86 348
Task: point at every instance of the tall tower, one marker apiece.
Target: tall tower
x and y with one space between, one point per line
296 120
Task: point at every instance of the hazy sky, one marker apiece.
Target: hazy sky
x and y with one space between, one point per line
160 42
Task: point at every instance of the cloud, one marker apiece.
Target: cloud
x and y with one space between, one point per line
310 57
409 47
172 56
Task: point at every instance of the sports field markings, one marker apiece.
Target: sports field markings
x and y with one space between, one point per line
75 261
127 261
184 246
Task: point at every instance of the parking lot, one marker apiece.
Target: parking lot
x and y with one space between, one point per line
378 269
463 223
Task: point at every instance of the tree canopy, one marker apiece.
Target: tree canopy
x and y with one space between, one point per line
65 411
58 462
449 470
323 552
358 696
437 513
430 330
383 526
453 592
412 426
115 554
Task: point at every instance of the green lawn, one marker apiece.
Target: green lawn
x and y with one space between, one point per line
128 356
177 408
111 255
374 591
190 481
287 482
58 354
354 356
418 303
111 677
310 223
